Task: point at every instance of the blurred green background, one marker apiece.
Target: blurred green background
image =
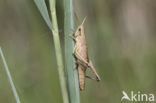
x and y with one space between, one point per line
121 42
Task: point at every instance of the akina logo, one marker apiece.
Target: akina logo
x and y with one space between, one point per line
137 97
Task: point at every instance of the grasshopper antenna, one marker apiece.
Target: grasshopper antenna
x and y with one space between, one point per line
77 18
84 20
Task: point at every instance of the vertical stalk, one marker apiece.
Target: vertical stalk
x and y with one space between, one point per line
9 77
72 74
58 52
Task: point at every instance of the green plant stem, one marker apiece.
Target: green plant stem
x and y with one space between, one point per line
59 57
9 77
72 74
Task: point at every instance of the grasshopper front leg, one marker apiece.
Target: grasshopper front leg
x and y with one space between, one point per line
71 36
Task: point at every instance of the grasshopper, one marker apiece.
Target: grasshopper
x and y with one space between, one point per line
81 54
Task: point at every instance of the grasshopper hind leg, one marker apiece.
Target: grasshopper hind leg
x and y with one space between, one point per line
79 57
93 70
90 65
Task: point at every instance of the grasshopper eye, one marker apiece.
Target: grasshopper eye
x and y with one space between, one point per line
79 29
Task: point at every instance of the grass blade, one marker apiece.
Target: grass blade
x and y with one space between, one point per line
41 5
9 77
54 27
69 45
58 52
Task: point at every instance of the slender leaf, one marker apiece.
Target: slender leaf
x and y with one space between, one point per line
72 73
58 51
41 5
9 77
54 28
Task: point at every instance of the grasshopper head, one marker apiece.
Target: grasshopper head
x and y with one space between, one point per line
80 30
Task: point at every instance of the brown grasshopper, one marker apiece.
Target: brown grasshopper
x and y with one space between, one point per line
81 53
